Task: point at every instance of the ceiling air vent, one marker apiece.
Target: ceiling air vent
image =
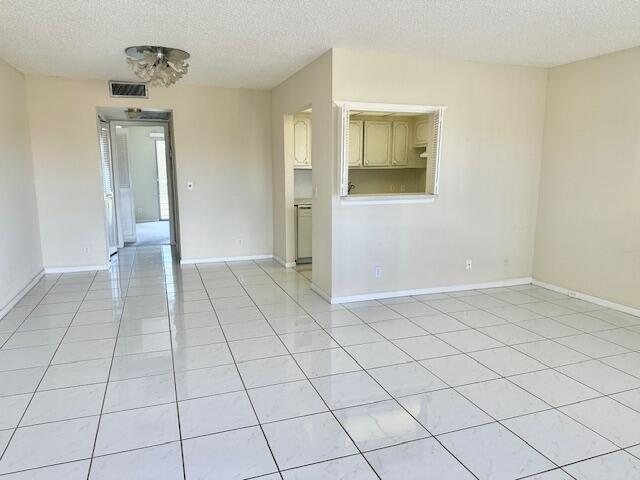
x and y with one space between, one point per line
128 89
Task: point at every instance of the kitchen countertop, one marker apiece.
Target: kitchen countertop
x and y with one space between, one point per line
301 201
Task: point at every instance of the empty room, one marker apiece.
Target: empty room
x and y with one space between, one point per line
356 240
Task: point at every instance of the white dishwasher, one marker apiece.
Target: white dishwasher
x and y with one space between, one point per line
303 247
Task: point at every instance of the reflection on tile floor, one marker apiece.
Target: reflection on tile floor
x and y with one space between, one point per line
231 371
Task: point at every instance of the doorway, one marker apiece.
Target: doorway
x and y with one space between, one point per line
142 179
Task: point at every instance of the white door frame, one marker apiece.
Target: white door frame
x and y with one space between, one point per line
174 230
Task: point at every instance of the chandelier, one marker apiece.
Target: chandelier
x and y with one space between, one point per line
157 65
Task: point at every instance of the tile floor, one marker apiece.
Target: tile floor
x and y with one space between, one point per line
239 370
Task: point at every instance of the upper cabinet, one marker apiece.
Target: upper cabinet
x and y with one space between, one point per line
421 133
377 143
301 142
355 143
400 150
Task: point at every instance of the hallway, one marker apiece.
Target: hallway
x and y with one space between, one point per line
152 233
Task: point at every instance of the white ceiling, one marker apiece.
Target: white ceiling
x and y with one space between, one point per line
259 43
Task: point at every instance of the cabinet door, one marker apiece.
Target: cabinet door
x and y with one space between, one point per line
421 132
400 150
301 142
377 144
355 143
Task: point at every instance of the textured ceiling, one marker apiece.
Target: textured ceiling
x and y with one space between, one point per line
259 43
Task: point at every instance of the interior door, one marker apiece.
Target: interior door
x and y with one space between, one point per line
126 202
107 186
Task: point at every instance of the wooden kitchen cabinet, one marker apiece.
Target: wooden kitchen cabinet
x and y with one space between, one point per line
377 143
301 142
355 143
400 150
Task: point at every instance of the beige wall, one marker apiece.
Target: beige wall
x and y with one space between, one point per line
144 172
20 256
491 157
222 144
588 233
310 87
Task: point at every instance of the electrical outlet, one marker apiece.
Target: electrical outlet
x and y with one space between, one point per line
572 294
403 188
507 261
140 210
86 250
240 242
377 272
469 264
392 188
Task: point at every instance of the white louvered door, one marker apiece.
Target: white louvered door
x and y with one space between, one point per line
126 202
107 185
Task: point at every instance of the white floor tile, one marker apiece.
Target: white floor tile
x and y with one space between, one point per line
64 404
423 459
198 416
353 467
202 356
601 377
308 341
559 437
502 399
138 428
492 452
591 345
326 362
349 389
163 461
398 328
469 340
11 409
207 381
50 443
459 369
406 379
550 353
554 388
507 361
426 346
355 334
66 471
379 425
139 392
287 400
305 440
444 411
440 323
270 371
614 466
612 420
255 348
76 373
233 455
372 355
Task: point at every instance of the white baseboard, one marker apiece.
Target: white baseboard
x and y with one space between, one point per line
80 268
422 291
191 261
18 296
283 263
588 298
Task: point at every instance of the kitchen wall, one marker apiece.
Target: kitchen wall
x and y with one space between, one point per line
144 172
20 254
486 210
309 87
222 144
588 233
302 183
390 180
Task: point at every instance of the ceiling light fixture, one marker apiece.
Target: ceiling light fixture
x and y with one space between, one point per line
157 65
